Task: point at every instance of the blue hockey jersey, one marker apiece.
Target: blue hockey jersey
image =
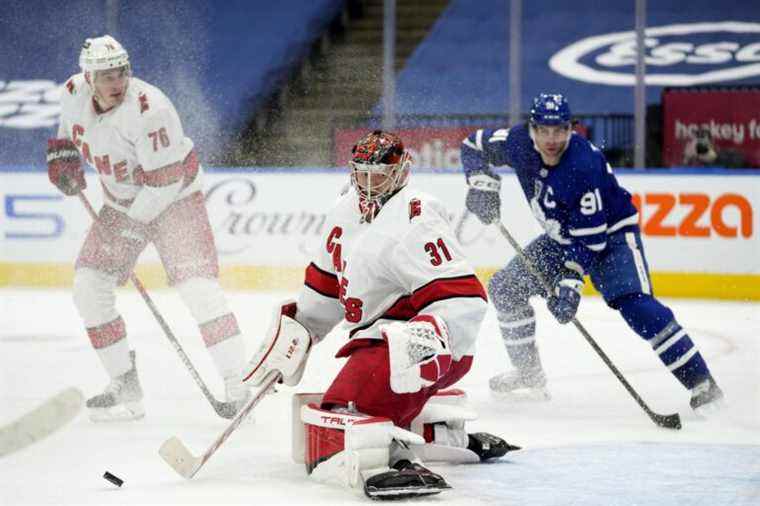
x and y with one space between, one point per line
578 202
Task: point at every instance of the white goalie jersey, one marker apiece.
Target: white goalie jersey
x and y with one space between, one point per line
406 261
138 149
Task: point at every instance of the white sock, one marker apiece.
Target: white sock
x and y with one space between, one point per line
228 355
115 358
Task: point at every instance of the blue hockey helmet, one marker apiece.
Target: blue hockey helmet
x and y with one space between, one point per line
550 109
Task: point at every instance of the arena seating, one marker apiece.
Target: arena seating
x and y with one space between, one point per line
461 67
218 61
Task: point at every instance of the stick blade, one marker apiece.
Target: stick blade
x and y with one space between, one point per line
668 421
176 454
42 421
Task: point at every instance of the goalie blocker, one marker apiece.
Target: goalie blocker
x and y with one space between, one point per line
355 450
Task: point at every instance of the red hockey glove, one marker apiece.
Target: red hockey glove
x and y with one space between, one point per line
65 167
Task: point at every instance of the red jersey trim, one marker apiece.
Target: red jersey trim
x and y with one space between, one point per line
170 174
113 198
322 282
441 289
409 306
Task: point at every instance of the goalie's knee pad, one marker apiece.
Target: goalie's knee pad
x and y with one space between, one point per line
442 424
345 447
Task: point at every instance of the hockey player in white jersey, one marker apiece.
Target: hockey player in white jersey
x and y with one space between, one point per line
129 132
390 272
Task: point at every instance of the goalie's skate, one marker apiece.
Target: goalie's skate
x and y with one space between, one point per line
520 385
121 400
487 446
406 479
707 397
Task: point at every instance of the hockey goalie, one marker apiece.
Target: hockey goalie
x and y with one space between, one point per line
390 272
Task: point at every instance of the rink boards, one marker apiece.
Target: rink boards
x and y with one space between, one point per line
699 229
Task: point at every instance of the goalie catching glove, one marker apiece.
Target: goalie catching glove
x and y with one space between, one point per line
419 352
284 350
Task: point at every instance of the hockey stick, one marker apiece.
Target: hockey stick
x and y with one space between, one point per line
42 421
176 454
223 409
668 421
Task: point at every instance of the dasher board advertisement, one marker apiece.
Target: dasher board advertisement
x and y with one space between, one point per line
269 221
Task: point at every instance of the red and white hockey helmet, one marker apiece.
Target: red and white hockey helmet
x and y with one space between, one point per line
102 53
379 167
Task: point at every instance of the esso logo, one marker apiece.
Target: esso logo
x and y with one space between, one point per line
676 55
29 104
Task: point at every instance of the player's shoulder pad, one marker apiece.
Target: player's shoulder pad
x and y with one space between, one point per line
421 206
146 99
481 138
73 87
586 160
346 201
344 206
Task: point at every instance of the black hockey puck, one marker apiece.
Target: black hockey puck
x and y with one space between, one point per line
113 479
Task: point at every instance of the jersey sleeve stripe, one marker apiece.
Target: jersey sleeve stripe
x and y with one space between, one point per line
322 282
580 232
407 307
164 176
597 247
170 174
469 144
630 220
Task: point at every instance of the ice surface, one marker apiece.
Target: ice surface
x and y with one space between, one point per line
589 445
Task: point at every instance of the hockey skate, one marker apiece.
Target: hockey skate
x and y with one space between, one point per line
487 446
404 480
520 385
706 397
121 400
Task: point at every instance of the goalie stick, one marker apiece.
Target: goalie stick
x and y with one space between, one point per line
667 421
223 409
175 453
40 422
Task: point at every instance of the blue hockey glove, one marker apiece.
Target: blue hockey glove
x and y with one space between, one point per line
483 199
563 303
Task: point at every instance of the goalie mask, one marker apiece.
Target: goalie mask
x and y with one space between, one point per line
379 167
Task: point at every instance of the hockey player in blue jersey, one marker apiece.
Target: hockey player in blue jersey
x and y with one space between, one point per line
591 227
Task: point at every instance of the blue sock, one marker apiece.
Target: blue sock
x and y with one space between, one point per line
656 324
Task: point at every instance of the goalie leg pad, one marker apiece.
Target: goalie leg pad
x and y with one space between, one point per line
346 447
